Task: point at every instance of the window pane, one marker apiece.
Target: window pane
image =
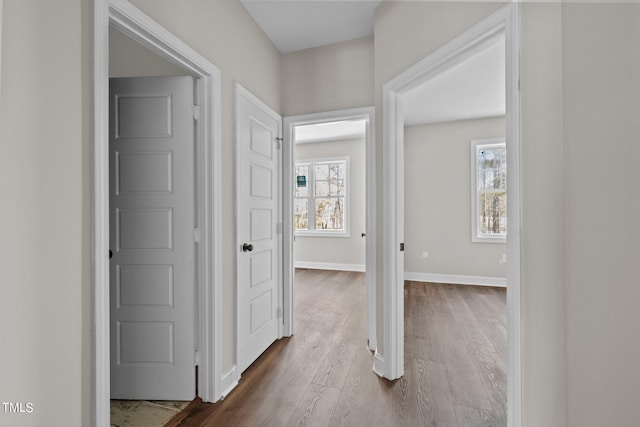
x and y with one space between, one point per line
301 214
302 191
336 170
336 187
492 167
330 213
322 172
322 188
493 214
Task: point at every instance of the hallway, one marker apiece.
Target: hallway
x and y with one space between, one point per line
455 362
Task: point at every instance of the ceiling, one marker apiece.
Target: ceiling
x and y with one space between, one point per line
330 131
472 89
301 24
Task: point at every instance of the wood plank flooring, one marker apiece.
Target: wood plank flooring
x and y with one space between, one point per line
455 363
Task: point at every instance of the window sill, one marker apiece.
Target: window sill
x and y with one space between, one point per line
322 234
501 239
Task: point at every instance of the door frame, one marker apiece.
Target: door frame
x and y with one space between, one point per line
125 17
242 92
505 23
288 164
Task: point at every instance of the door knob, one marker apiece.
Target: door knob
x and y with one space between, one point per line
363 234
247 247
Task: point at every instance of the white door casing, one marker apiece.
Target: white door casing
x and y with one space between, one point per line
290 122
128 19
259 235
152 290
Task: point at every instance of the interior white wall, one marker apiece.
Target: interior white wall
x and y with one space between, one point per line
328 78
543 227
128 58
601 67
338 250
223 32
45 259
438 200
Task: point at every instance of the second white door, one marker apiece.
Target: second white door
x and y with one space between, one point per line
152 296
259 236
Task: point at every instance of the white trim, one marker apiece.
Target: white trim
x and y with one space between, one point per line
131 21
323 233
330 266
288 270
393 234
514 215
229 381
368 114
101 369
457 279
241 92
1 49
378 364
502 24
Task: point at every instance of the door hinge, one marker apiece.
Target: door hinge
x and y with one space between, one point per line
279 142
196 358
279 228
196 235
196 112
279 312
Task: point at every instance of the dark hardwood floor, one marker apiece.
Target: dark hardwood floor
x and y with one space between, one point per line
455 363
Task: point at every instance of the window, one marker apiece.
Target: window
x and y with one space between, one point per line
489 190
321 195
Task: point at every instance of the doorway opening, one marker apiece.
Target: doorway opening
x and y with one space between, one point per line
455 252
329 218
321 153
153 319
502 25
130 21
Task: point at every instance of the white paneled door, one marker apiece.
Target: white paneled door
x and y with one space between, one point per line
152 288
258 131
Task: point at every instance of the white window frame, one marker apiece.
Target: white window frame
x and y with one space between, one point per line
476 236
311 208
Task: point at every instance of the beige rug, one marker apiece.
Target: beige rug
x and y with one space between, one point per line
139 413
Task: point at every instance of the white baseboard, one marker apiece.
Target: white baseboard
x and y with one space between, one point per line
330 266
457 279
372 345
378 364
229 381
